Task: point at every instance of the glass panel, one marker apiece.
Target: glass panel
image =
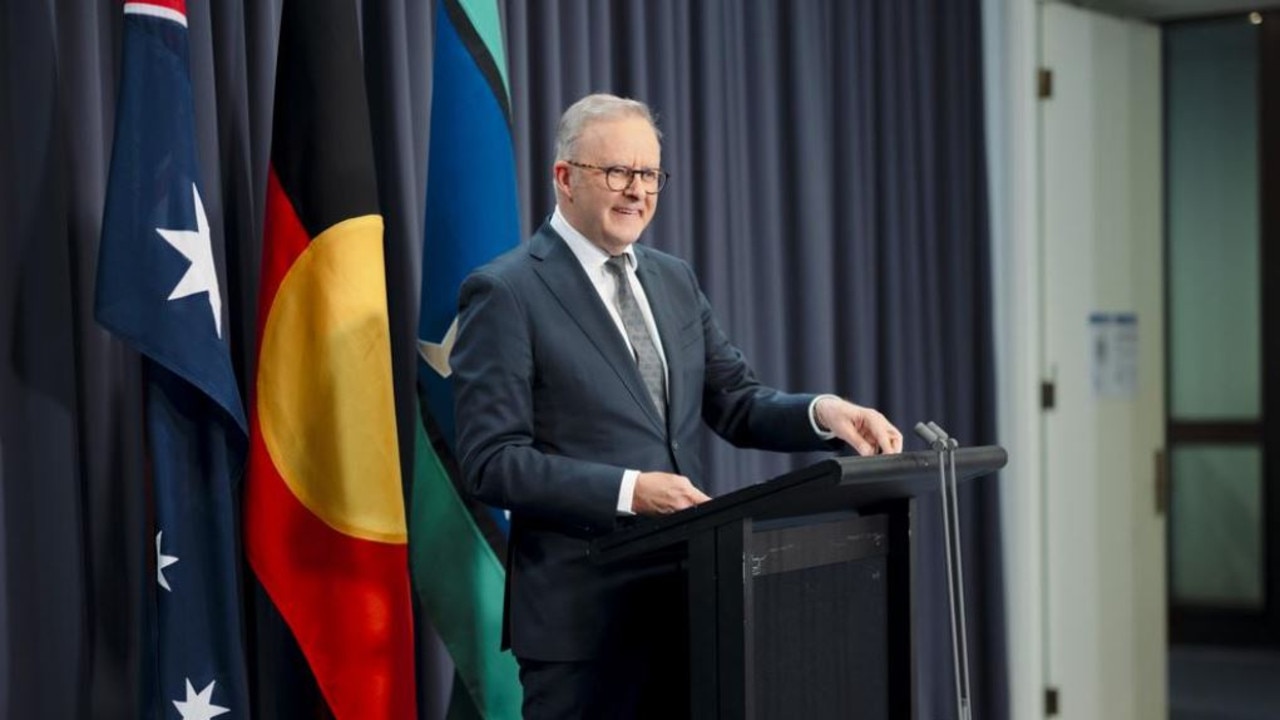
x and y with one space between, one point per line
1216 516
1212 77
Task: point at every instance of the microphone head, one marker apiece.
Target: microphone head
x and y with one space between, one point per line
926 433
942 434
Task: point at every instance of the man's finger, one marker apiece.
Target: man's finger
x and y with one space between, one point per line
885 437
691 493
851 435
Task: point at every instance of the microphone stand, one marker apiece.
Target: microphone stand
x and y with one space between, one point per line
946 446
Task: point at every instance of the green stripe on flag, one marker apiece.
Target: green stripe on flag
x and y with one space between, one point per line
460 584
488 25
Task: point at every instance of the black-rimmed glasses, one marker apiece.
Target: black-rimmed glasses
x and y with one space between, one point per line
620 177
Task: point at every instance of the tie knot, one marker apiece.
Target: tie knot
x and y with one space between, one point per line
617 265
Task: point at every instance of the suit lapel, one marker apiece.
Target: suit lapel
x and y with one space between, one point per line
561 272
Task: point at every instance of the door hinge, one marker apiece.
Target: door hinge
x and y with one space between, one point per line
1044 83
1048 394
1050 701
1162 484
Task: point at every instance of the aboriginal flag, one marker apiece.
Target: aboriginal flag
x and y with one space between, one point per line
324 506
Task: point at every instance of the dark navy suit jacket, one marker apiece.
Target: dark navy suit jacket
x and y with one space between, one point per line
551 409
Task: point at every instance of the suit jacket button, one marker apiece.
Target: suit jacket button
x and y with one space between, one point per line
675 445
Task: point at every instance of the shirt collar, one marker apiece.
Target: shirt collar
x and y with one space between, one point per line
588 253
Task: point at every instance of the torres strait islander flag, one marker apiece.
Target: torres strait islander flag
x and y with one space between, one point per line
458 546
158 289
324 505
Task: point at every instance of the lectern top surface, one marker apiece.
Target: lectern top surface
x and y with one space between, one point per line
842 483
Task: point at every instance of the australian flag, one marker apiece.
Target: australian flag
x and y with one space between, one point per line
158 290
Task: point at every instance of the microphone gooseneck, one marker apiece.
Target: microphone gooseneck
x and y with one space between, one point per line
946 447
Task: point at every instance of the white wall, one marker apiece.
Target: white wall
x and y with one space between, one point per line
1012 55
1076 189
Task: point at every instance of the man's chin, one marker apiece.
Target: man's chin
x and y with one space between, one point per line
624 241
627 233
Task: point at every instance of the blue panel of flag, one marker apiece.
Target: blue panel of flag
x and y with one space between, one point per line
472 213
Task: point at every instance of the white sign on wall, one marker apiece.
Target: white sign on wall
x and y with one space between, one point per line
1115 354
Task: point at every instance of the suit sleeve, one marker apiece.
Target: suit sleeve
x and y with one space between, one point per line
742 410
493 372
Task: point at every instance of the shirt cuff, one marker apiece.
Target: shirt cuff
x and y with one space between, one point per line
627 490
813 418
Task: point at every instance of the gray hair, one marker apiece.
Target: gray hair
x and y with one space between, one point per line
594 108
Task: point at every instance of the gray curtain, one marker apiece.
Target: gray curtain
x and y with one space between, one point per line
69 397
828 187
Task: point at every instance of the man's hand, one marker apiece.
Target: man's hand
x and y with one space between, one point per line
864 428
659 493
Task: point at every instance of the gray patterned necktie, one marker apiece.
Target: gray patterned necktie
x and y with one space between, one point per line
646 352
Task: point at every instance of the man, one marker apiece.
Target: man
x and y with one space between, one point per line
583 366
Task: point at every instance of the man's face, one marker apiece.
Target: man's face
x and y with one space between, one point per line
612 219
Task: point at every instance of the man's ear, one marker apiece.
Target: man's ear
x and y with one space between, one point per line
560 173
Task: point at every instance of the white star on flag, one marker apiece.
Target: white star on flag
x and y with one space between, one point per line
437 354
163 561
199 707
201 276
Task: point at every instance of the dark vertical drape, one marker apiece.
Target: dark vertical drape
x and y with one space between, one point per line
828 186
70 402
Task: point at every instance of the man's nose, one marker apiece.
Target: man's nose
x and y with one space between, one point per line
633 186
